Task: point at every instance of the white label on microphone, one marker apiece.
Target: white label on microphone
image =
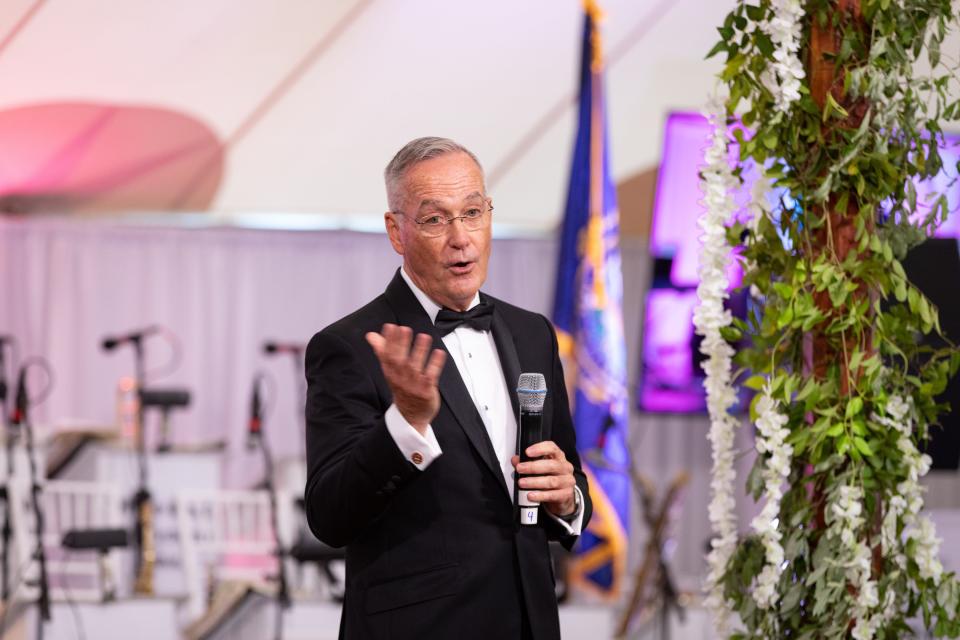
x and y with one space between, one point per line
528 515
523 499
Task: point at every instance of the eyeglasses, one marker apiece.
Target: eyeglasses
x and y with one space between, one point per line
433 226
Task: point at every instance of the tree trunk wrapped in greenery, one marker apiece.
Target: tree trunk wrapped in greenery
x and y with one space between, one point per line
834 125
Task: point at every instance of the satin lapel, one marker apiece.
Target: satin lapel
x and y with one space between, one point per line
452 389
509 360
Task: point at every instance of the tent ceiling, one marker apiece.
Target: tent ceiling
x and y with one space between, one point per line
310 99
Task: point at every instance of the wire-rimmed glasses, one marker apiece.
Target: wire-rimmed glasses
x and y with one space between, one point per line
435 225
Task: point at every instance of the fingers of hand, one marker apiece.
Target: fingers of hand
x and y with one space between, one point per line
551 475
377 342
435 365
421 348
398 343
380 342
405 358
546 466
547 482
557 496
546 448
515 460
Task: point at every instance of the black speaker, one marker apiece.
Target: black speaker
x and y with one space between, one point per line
100 539
165 398
934 267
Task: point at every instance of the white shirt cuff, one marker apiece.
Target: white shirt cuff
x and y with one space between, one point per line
573 528
421 450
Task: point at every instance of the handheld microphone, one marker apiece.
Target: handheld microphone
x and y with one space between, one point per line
19 414
531 393
271 348
112 342
256 416
3 370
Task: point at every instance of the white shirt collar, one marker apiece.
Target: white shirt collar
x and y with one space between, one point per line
431 307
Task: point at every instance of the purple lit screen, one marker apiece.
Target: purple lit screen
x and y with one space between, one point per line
670 379
678 205
944 182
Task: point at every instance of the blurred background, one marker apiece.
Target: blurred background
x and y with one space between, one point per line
204 180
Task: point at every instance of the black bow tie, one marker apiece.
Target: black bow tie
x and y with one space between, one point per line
479 318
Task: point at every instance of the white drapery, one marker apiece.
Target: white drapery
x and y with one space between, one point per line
224 291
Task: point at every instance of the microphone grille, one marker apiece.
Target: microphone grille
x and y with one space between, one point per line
532 391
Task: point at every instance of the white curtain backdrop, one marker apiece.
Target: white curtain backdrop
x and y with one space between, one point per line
65 284
224 291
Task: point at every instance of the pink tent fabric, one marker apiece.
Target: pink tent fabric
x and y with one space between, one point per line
84 157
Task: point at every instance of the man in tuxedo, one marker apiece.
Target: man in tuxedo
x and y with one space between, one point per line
411 456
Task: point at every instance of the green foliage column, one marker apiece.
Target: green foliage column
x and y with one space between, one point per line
837 350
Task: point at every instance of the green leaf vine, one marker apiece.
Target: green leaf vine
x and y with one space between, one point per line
838 341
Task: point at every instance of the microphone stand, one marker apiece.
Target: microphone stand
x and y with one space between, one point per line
6 534
145 553
7 531
139 378
141 497
283 594
40 554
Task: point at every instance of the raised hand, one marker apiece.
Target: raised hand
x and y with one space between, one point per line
411 373
554 481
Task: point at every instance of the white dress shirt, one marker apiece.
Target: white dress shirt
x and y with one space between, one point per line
475 355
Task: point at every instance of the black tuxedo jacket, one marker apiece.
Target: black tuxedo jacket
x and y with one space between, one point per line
435 553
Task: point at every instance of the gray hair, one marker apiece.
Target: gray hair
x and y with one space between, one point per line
414 152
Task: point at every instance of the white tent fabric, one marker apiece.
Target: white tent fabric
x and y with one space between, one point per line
312 98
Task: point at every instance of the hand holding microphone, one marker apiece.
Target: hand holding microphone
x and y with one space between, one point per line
544 475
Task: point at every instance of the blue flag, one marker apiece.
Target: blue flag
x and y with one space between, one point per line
587 314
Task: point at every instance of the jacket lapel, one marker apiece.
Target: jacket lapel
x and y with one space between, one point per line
509 361
452 389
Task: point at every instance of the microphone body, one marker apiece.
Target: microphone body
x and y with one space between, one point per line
270 348
19 414
112 342
256 416
3 370
532 393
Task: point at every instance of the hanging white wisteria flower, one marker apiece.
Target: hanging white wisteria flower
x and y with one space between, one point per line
837 342
906 504
845 519
784 76
771 443
709 318
902 507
